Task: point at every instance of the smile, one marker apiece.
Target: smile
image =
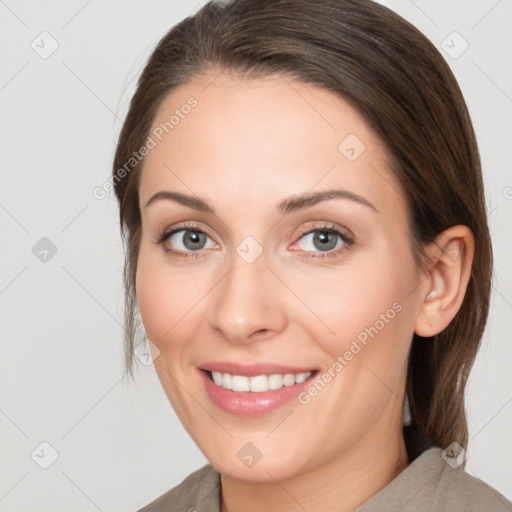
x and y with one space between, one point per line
253 390
257 383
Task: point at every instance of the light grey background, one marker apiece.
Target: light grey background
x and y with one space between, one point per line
119 445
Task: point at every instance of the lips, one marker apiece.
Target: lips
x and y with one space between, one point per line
253 390
251 370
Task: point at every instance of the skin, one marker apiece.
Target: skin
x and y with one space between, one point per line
246 146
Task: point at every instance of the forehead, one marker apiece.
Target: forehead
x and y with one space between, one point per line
238 139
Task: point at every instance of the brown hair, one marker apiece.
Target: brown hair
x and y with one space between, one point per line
395 77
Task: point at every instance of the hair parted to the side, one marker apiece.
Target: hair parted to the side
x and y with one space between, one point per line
395 77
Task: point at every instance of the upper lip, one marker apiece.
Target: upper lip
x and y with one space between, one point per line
251 370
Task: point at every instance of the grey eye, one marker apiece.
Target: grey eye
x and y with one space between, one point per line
188 239
322 241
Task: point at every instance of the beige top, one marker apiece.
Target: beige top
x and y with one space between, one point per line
427 484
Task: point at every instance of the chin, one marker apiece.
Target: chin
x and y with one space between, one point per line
265 469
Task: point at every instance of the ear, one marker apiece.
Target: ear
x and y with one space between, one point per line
450 258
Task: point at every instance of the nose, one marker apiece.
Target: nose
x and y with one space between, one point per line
247 304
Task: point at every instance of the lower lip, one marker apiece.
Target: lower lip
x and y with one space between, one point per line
251 403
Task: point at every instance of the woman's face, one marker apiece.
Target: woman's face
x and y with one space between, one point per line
272 278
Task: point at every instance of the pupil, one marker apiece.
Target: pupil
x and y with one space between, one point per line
194 237
326 239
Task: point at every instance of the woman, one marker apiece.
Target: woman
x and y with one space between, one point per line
307 245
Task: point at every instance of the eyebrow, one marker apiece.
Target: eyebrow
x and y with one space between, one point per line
291 204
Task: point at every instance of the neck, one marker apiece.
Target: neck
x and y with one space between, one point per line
342 484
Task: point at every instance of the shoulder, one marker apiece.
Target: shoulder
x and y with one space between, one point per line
434 483
453 487
199 490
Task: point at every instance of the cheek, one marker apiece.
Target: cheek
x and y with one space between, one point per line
365 314
164 297
370 308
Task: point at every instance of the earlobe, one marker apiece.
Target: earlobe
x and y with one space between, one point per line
450 259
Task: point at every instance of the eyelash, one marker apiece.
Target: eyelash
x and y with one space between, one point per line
348 241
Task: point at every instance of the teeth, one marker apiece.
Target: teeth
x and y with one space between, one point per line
301 377
258 383
227 380
275 381
239 383
217 378
289 379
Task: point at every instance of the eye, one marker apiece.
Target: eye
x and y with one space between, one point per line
323 242
183 241
186 239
